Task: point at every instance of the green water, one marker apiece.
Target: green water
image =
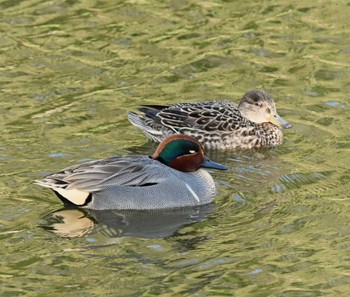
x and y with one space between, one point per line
70 71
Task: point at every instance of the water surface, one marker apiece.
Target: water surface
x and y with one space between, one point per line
70 71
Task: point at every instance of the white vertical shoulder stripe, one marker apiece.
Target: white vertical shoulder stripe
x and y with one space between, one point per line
192 192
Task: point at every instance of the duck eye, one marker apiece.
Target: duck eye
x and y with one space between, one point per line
257 104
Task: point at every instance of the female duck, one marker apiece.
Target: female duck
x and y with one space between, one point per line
217 124
171 178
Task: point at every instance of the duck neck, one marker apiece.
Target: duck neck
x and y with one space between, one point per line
273 134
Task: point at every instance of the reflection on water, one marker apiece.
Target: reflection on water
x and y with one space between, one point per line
74 222
68 223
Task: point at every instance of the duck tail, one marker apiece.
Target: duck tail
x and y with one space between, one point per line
150 128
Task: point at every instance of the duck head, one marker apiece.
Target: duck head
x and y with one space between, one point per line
259 107
184 153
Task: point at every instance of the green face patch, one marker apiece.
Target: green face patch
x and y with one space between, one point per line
176 148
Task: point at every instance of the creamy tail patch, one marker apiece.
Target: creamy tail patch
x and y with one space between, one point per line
75 196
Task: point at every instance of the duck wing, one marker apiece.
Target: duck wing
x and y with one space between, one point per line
206 116
97 175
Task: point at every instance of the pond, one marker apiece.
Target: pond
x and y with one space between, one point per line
71 70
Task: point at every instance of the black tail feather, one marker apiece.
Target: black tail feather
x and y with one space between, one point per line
152 113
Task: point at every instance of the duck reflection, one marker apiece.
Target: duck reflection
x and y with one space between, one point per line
74 222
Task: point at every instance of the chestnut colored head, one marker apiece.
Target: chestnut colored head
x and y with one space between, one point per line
184 153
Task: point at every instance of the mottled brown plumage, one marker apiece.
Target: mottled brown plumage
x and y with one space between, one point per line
217 124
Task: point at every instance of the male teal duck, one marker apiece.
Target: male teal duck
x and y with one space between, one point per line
218 125
171 178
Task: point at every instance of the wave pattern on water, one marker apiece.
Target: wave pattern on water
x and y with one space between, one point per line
70 71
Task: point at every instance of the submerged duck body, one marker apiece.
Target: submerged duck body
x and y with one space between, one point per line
217 124
171 178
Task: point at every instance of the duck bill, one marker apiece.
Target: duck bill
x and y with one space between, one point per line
211 164
278 121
